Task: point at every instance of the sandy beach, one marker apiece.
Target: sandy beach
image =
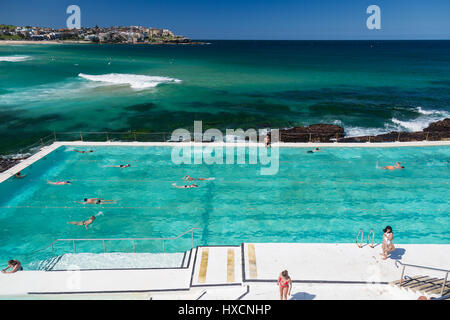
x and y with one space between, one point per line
20 42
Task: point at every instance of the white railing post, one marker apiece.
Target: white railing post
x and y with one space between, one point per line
443 285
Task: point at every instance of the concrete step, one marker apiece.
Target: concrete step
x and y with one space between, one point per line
424 285
217 266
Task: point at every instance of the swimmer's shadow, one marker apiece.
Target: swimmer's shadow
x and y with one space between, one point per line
302 296
397 254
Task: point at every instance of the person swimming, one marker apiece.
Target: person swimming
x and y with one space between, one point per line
121 166
96 201
19 176
185 187
189 178
314 151
83 223
58 183
397 166
89 151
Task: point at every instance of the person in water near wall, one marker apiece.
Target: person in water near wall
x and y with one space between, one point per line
83 223
314 151
268 140
189 178
285 284
388 244
397 166
18 175
96 201
59 183
15 265
89 151
185 187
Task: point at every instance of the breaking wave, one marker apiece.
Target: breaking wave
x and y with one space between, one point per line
135 81
15 58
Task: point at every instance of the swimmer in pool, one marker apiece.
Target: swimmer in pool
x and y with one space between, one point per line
59 183
83 223
185 187
121 166
314 151
84 151
189 178
397 166
19 176
96 201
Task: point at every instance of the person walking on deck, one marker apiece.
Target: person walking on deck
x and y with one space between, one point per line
285 284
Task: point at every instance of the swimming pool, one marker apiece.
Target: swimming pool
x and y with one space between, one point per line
323 197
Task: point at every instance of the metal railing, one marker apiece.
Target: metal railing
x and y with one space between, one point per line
284 136
422 267
360 238
132 240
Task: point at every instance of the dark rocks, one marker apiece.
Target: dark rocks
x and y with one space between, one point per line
6 163
436 131
314 133
439 126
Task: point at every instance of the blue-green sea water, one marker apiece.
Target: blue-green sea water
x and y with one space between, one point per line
323 197
367 87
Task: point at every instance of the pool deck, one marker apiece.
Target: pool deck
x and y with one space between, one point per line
249 271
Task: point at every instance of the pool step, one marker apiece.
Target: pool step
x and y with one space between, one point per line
217 266
424 285
105 261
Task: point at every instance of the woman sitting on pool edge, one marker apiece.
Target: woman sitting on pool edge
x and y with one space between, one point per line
185 187
388 244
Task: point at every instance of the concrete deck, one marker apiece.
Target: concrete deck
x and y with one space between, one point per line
318 271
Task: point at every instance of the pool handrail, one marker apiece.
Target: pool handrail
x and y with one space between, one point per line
360 232
120 239
422 267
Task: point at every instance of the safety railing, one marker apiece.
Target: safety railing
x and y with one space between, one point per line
132 241
397 262
360 238
284 136
139 136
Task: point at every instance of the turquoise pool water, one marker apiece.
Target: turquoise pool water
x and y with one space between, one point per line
322 197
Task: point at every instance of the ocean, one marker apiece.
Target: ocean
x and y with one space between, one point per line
367 87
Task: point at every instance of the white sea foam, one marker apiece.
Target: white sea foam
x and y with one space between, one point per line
418 124
422 121
134 80
15 58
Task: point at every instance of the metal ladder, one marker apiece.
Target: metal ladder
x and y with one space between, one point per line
360 238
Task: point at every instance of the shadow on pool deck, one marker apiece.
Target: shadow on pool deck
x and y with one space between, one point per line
397 254
302 296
